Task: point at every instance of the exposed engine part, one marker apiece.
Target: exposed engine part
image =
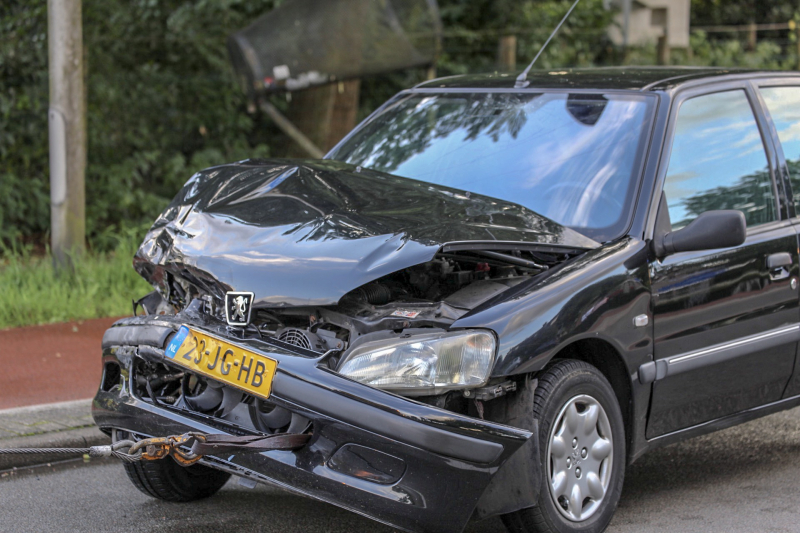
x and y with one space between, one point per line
267 417
302 338
201 394
374 293
270 418
479 292
512 259
432 294
156 382
208 396
319 341
490 392
194 394
153 304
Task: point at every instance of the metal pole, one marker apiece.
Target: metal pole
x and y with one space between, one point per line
67 130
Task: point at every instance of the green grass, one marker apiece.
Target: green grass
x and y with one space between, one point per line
100 285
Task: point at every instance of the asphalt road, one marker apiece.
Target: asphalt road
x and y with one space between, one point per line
744 479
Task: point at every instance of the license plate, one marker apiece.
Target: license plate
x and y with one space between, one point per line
223 361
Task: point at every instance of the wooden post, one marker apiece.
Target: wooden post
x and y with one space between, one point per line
663 50
797 43
507 53
752 36
67 130
304 143
311 111
345 111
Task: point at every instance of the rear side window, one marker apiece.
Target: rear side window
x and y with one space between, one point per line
783 104
718 161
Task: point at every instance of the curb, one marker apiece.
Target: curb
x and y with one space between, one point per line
57 425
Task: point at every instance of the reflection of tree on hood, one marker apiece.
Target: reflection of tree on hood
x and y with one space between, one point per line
751 195
418 121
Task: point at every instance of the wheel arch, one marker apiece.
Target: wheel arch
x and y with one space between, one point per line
609 361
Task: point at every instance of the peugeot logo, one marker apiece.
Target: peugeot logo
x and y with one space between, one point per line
238 306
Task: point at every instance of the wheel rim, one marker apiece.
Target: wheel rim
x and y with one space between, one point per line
580 452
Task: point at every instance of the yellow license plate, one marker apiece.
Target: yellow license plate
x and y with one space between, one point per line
223 361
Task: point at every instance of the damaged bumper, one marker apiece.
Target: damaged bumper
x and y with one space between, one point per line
404 463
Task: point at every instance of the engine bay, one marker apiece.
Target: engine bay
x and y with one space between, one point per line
433 294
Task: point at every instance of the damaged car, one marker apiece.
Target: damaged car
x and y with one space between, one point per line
486 300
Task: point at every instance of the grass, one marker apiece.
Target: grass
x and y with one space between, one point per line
100 285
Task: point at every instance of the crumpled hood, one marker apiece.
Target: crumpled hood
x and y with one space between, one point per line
298 232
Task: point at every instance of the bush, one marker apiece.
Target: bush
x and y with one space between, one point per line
162 103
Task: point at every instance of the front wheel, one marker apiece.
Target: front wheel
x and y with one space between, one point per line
582 443
165 479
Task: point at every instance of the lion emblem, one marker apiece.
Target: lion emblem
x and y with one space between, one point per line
240 308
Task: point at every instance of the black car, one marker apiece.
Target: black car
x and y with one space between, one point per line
486 300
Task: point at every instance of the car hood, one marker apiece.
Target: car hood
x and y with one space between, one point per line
298 233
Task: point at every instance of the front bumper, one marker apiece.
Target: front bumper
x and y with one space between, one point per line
398 461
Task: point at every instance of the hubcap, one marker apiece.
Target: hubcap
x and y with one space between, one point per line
579 458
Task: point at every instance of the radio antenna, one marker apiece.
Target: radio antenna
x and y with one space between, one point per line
522 79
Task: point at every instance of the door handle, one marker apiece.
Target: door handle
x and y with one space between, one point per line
776 261
778 264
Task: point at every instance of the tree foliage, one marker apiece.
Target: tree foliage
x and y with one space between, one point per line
740 12
163 103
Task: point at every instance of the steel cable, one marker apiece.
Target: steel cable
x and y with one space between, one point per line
112 450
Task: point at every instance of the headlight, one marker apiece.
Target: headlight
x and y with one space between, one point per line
423 364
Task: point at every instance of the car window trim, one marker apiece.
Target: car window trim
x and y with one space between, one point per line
773 83
765 127
666 149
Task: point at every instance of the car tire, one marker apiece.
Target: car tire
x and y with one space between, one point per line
167 480
574 403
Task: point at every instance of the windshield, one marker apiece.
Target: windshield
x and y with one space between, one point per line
573 158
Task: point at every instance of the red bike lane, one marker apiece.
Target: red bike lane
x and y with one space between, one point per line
51 362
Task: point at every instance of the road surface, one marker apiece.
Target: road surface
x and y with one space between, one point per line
743 479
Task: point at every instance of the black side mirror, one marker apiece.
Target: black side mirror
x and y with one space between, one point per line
713 229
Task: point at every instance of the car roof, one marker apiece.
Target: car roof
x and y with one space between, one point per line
610 78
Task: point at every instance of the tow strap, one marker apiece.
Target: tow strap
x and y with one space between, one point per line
198 444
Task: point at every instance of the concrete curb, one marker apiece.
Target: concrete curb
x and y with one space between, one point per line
58 425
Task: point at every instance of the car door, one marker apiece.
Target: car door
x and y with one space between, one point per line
781 100
725 321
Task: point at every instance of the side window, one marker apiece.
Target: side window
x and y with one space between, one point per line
718 161
783 104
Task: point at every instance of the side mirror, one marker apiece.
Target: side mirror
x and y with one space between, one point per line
712 229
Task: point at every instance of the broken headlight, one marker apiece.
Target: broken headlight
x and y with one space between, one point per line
423 364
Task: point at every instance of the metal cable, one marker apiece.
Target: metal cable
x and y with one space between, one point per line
113 450
49 451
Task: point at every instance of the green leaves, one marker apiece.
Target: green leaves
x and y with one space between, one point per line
161 104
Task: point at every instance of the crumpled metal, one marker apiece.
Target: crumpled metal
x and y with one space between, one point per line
306 232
